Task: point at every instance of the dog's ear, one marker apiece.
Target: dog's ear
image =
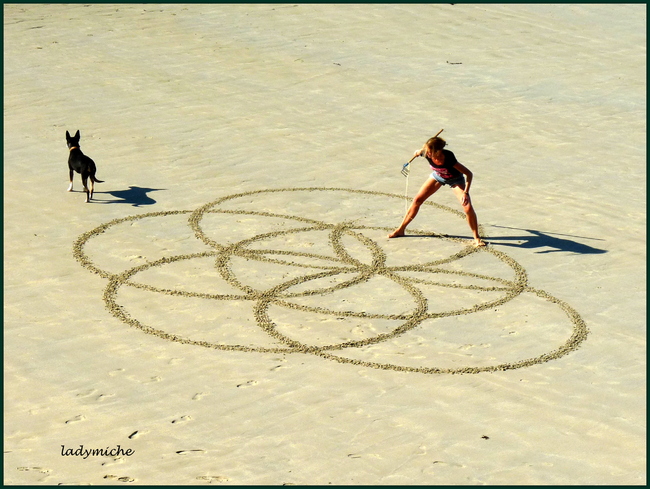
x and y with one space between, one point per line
77 135
67 135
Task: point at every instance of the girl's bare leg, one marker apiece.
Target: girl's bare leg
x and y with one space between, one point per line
428 189
470 213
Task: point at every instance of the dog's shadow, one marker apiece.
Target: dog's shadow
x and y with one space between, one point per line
136 196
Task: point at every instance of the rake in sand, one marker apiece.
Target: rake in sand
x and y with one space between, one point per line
405 172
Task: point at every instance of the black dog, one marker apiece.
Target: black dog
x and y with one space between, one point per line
80 163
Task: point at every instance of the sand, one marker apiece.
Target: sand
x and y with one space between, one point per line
229 309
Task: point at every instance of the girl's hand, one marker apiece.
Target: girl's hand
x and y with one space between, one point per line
465 199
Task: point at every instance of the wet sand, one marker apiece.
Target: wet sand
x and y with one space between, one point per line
229 309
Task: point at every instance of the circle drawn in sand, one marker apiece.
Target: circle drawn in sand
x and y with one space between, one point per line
327 274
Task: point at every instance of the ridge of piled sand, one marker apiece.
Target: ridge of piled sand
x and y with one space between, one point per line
251 159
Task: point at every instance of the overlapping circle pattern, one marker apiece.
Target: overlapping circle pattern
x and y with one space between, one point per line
339 263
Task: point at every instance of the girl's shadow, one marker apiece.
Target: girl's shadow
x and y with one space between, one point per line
136 196
537 239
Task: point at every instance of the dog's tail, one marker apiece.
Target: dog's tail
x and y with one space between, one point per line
95 180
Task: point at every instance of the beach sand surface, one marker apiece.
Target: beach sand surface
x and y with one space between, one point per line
229 310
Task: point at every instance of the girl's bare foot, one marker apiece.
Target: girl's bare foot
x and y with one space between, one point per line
396 234
478 243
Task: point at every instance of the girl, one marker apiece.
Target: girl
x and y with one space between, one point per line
446 171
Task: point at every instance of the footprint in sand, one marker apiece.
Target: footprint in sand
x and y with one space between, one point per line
145 381
79 417
213 478
93 392
182 419
34 469
152 379
248 384
121 479
450 464
116 460
282 361
87 393
136 434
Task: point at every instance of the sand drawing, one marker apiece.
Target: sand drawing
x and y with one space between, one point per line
325 259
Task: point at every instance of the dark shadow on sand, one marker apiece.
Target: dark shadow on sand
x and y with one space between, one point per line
136 196
545 242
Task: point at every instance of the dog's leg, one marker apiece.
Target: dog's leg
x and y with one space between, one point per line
84 180
71 176
92 187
